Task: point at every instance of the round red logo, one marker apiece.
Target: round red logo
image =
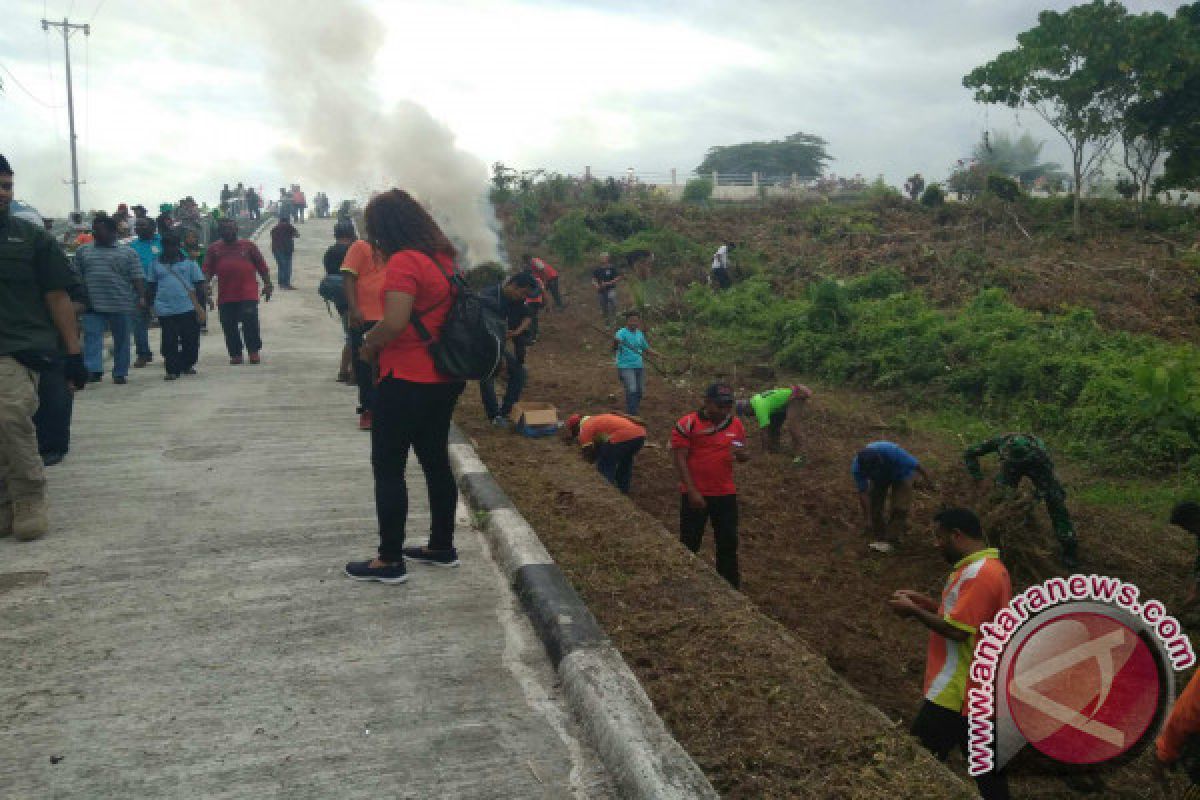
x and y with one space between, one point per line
1083 688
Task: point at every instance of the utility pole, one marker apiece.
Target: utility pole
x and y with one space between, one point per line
67 29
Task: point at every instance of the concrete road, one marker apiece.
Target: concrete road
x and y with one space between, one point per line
185 631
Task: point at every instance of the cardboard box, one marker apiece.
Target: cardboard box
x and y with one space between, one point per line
533 415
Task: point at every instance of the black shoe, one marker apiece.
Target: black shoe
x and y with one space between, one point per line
50 459
170 376
120 381
439 558
363 571
95 377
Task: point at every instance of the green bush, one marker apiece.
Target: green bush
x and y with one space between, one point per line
670 249
698 191
1003 187
618 222
571 238
934 196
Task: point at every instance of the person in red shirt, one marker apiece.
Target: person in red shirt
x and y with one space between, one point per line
414 401
548 275
283 247
612 441
705 444
236 264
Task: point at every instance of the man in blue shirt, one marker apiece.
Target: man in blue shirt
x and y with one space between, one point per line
176 288
629 344
881 468
148 246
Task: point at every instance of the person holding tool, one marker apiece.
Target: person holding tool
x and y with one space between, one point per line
612 441
629 345
881 468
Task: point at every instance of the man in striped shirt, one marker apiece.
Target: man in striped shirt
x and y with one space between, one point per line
115 285
977 589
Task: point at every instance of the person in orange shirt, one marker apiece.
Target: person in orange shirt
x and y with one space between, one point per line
364 270
612 441
1181 732
977 589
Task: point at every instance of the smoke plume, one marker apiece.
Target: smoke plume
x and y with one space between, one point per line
338 135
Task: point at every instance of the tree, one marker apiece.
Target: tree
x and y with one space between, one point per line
1019 158
1173 111
800 153
1068 69
914 186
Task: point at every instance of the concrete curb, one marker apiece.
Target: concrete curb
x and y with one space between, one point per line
636 747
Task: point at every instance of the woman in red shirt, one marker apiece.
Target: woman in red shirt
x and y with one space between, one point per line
414 402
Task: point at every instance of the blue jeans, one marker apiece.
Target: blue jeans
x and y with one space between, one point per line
141 334
634 381
516 383
94 325
283 260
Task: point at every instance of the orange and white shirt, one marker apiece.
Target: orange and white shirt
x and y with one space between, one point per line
610 429
975 592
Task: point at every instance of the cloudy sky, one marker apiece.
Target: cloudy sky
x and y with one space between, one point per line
176 98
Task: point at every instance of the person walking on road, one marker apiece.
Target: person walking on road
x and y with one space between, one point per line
415 401
335 254
976 591
115 285
148 246
776 410
704 446
177 291
299 204
1025 455
37 322
283 247
605 279
507 300
236 265
364 271
880 469
611 441
629 347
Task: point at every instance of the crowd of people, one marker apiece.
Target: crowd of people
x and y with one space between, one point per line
397 288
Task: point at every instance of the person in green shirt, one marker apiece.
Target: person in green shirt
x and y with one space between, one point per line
1025 455
777 410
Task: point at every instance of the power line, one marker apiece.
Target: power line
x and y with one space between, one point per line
97 11
21 86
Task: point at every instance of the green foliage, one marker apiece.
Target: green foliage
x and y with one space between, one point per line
571 238
486 274
1125 402
830 223
1173 111
933 196
1021 158
528 215
698 191
670 249
618 222
800 153
1003 187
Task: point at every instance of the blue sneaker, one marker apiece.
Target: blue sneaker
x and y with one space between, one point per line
363 571
438 558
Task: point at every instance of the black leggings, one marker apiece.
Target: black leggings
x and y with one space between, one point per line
723 511
415 415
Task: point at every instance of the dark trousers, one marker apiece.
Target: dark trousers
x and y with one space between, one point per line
512 393
552 288
364 373
180 341
723 511
721 278
53 417
941 730
240 319
615 461
415 415
283 266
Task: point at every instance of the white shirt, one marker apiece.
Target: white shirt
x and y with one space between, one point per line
721 258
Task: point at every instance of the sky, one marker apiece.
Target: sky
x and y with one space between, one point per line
177 98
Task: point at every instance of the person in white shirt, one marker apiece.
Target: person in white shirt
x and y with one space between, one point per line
720 267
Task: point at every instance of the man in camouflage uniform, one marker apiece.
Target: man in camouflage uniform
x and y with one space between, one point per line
1022 455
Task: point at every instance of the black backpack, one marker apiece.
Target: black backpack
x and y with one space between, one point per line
471 346
332 289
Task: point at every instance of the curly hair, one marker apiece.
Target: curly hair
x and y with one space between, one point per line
395 222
